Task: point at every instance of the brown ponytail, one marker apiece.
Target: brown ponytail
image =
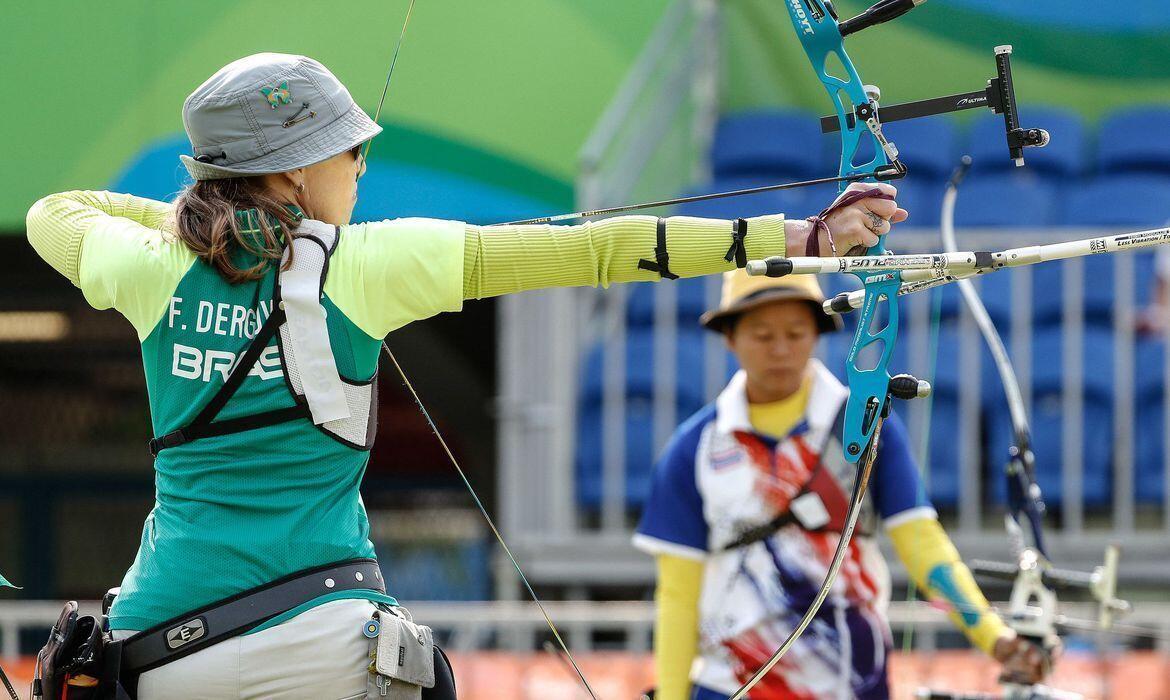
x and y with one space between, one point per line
205 220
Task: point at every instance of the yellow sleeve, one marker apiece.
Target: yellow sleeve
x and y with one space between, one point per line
506 259
115 247
405 270
676 624
385 274
936 568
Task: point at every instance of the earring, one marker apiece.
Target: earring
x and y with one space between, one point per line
300 188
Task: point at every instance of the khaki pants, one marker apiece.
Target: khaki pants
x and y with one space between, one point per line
320 654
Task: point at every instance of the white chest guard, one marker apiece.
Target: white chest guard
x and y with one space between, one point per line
343 409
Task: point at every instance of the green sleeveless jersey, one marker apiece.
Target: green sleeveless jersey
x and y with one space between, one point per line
237 511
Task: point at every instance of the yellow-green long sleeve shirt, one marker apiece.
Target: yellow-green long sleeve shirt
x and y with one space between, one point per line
121 251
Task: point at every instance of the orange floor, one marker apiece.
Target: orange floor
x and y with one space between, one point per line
619 676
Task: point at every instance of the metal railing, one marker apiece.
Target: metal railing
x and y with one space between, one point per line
588 626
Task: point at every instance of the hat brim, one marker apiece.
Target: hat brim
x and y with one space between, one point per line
718 320
349 130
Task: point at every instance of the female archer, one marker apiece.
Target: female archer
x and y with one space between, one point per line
260 310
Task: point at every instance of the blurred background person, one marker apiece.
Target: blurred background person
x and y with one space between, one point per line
747 505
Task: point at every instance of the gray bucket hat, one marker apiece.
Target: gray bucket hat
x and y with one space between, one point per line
270 113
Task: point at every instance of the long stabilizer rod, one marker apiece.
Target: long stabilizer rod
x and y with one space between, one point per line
965 262
921 272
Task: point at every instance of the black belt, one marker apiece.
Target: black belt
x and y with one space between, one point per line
199 629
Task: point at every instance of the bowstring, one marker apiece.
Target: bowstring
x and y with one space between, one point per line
389 73
435 429
491 523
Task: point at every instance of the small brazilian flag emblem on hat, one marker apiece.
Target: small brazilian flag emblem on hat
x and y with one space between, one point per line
277 95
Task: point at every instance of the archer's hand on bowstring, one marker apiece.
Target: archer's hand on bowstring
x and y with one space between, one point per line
1024 661
852 223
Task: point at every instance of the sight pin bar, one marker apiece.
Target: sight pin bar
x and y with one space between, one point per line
999 96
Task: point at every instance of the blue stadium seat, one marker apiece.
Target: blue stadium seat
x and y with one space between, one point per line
1149 430
1119 200
949 301
640 450
1047 294
945 486
942 472
457 570
1149 449
1017 199
692 301
994 289
943 476
1047 418
773 144
798 203
927 147
1121 147
1145 275
996 292
1099 272
1149 367
1063 157
1049 299
943 468
922 197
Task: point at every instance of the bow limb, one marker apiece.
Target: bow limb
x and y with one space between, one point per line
870 384
1025 506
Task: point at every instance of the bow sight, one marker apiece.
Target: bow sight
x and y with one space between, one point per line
999 96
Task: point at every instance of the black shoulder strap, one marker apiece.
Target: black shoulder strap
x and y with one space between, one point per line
205 425
763 531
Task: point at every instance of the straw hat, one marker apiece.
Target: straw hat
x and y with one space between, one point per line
743 292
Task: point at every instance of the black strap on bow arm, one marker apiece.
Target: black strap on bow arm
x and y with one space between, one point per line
661 262
738 251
